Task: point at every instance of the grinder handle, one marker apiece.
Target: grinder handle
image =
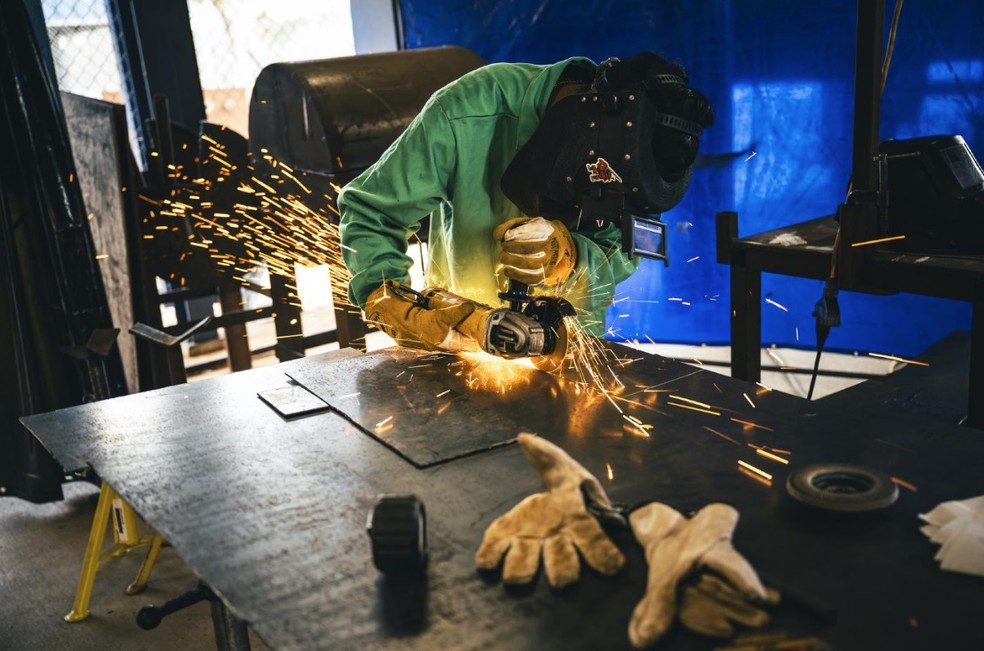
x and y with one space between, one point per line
517 294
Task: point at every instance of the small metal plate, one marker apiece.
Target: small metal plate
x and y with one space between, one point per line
293 400
414 403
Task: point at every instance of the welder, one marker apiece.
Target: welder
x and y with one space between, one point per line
544 176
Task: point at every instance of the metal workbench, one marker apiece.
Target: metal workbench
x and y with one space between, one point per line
271 511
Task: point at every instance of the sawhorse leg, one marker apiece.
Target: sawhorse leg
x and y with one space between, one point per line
126 534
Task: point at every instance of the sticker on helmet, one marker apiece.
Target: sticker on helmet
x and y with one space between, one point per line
601 172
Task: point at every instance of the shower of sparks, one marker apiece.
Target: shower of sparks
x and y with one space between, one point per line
774 457
901 360
349 395
696 257
693 402
277 222
443 393
775 304
748 424
384 422
638 425
769 449
757 471
758 478
749 400
904 484
703 411
722 435
590 363
879 241
611 473
489 374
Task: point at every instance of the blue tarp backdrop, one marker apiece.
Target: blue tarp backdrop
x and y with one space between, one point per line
780 74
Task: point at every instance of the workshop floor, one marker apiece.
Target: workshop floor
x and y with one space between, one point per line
41 546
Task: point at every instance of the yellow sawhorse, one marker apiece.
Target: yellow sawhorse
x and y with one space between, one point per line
126 536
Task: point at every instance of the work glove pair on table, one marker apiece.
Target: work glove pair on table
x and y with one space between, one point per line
436 319
723 588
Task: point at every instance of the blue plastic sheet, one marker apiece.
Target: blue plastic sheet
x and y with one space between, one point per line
781 77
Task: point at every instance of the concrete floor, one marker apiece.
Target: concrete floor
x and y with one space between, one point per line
41 550
41 546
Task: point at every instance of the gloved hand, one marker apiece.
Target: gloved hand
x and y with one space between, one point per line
712 606
536 251
497 331
405 315
675 547
556 521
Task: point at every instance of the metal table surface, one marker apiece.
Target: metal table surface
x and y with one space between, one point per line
271 512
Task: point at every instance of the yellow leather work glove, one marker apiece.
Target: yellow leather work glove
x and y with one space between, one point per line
404 315
536 251
675 548
556 521
473 326
712 606
519 329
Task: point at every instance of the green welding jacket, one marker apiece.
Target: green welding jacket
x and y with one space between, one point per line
448 164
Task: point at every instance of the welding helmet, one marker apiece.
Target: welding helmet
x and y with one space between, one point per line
592 161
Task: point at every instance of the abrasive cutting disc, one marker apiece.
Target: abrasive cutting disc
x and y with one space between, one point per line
842 487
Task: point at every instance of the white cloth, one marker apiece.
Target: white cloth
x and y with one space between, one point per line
958 527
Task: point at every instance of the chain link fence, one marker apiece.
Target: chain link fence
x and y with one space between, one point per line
82 48
234 40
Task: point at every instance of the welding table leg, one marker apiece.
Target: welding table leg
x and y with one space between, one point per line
231 633
975 385
746 323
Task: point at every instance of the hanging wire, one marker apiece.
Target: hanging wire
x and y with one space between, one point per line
830 288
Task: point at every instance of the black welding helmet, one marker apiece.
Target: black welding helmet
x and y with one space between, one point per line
592 161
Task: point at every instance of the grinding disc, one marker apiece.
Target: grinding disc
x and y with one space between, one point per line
842 487
555 360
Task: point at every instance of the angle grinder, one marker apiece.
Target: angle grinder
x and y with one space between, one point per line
547 314
532 326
